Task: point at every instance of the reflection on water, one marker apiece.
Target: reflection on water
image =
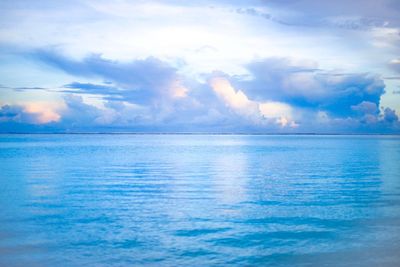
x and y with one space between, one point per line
229 177
198 200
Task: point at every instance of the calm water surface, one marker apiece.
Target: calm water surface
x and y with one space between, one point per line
199 200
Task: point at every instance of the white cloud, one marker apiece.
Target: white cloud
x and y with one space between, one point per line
45 112
280 111
237 100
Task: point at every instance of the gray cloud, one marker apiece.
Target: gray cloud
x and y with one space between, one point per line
353 14
390 116
366 107
138 81
395 65
16 113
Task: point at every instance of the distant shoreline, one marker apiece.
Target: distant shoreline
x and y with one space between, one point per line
195 133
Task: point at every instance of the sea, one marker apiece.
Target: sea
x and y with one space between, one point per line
199 200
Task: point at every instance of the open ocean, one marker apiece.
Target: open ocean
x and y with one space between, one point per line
199 200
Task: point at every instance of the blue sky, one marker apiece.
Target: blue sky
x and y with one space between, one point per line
200 66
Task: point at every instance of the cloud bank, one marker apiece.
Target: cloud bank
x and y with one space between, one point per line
277 95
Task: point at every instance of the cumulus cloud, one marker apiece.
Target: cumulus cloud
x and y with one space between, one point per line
281 112
16 114
314 98
390 115
236 100
303 85
366 107
31 113
259 112
278 95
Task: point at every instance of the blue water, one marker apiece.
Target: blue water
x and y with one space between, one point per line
199 200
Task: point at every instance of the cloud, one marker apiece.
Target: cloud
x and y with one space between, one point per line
236 100
366 107
31 113
44 112
348 22
90 88
281 112
27 88
350 15
15 113
303 85
277 95
258 112
138 81
79 113
390 115
157 92
395 65
253 12
306 97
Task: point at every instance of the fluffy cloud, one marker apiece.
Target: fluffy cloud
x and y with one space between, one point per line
259 112
31 113
236 100
315 98
16 114
278 95
27 119
390 116
303 85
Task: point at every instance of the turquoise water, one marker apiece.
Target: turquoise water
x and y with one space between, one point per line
199 200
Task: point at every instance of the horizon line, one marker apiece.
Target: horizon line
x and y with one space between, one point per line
192 133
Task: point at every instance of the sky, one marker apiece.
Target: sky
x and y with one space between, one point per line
277 66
